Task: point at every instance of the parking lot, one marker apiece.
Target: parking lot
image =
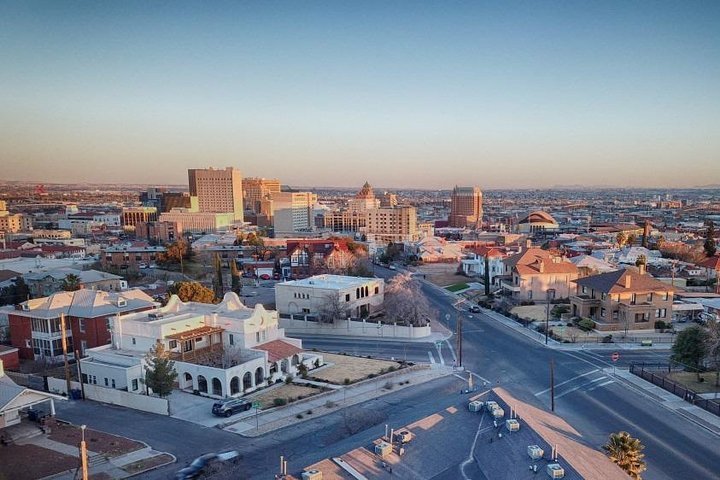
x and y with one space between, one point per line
262 292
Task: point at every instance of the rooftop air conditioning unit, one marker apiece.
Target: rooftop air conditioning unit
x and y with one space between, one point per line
475 406
312 475
498 413
512 425
383 449
490 405
554 470
121 302
535 452
404 436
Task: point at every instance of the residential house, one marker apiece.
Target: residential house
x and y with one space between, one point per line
44 283
35 324
627 299
588 265
533 274
308 257
219 350
436 250
474 264
15 398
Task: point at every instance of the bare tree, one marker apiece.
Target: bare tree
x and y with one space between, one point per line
713 348
405 302
333 308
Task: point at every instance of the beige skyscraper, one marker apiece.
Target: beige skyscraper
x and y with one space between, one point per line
217 191
255 190
466 207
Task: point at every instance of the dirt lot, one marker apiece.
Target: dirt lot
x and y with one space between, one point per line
532 312
100 442
285 391
442 274
353 368
30 461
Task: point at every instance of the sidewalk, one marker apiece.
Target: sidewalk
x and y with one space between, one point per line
668 400
332 401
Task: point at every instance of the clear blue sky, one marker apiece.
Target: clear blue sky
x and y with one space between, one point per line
413 94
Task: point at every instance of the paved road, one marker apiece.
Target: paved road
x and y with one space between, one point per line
593 402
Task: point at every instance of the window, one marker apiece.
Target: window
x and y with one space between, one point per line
257 336
661 313
81 325
650 297
633 299
188 346
602 312
173 344
584 289
231 339
529 294
83 347
134 342
666 295
603 296
347 297
377 290
106 382
615 314
135 384
113 383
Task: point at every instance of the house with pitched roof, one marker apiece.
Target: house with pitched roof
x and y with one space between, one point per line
473 265
627 299
14 398
220 350
35 324
532 273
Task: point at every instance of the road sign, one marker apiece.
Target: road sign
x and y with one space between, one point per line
615 356
438 344
255 404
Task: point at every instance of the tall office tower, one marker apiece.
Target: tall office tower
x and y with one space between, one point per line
466 207
293 212
255 190
364 199
217 191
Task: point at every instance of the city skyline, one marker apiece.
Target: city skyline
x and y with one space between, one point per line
418 96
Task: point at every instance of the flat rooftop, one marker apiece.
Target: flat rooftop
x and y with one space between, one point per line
335 282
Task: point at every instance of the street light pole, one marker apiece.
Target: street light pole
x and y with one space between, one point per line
549 294
552 384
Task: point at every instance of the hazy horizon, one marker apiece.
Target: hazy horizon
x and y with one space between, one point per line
509 95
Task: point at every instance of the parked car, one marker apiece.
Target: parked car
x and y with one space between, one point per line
230 407
475 309
392 267
265 276
143 265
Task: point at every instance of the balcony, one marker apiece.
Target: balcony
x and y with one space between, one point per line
50 335
505 285
585 300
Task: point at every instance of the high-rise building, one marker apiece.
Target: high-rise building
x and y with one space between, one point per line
391 224
364 199
255 190
218 191
388 200
292 212
466 207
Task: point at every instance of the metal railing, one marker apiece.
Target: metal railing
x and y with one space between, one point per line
647 372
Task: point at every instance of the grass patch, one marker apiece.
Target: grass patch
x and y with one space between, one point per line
457 287
690 380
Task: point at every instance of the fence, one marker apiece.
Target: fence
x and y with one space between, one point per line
113 396
363 328
645 372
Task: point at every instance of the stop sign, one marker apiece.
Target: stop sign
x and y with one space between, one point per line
615 356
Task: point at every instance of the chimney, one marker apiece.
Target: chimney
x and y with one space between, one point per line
541 266
641 268
528 244
628 279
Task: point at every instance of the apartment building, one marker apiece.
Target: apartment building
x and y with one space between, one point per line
129 257
35 326
131 216
217 191
293 212
10 223
627 299
163 232
466 210
391 224
255 190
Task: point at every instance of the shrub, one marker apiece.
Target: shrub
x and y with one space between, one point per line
279 402
317 363
289 379
607 339
388 386
291 399
586 324
392 368
346 381
309 412
330 404
299 415
661 325
372 375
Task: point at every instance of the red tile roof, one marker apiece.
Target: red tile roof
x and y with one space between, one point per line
278 349
712 263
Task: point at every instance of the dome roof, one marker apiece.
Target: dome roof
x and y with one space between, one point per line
538 217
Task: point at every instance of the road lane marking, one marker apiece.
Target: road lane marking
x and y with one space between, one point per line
579 387
432 359
568 381
604 384
452 350
471 457
440 355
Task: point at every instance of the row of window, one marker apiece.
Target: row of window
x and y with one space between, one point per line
659 313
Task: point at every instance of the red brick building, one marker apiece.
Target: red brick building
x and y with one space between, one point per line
124 257
35 325
9 357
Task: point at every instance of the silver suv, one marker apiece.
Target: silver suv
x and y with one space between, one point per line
230 407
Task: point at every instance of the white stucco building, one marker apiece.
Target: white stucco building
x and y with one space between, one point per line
219 350
344 296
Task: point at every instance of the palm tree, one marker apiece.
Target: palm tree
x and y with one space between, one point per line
71 283
626 452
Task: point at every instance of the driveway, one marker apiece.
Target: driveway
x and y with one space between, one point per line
197 409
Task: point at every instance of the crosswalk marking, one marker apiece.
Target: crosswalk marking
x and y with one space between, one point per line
432 359
579 387
568 381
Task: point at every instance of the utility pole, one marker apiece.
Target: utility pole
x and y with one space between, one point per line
65 353
79 369
459 339
549 294
83 453
552 384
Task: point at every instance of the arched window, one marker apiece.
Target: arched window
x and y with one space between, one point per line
234 386
217 387
247 381
202 384
259 375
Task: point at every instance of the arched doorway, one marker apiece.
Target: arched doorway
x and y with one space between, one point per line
202 384
247 381
284 366
259 376
217 387
234 386
295 360
187 382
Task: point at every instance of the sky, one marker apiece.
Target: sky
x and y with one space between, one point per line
417 94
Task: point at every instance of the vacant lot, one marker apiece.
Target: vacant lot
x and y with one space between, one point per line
457 287
288 392
352 368
690 380
31 461
100 442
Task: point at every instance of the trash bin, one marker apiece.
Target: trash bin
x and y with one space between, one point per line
75 394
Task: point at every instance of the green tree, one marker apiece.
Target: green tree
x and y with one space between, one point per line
192 292
621 239
487 274
712 348
160 374
709 245
626 452
235 283
641 260
631 239
15 293
218 284
690 348
71 283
